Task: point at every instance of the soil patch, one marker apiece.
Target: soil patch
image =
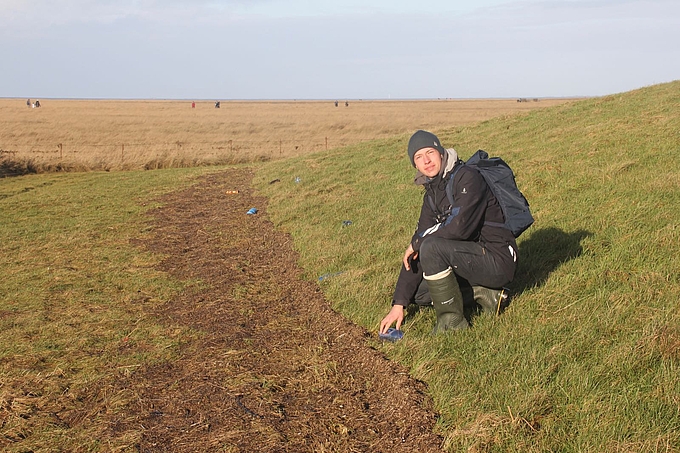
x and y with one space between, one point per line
275 369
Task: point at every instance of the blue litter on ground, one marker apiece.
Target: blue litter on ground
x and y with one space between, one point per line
392 334
252 211
332 274
346 223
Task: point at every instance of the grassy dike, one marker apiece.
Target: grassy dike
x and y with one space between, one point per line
74 300
587 357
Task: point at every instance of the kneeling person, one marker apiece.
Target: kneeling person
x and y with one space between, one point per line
452 241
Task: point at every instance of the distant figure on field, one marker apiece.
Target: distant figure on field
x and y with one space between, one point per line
217 104
37 103
336 103
193 105
346 104
455 246
28 103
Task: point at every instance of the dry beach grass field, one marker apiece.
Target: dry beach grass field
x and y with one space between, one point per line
116 134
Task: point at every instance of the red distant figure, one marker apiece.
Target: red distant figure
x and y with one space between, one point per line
193 105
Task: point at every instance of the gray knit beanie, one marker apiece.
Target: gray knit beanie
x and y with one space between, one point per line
423 139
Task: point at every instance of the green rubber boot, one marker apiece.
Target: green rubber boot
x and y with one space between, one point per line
447 301
493 301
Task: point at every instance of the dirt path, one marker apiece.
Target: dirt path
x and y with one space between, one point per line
277 370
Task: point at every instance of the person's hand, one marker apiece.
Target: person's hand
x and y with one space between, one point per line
409 251
396 314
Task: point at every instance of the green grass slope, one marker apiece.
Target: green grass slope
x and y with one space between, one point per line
587 357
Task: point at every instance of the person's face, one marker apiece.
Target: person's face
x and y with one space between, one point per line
428 161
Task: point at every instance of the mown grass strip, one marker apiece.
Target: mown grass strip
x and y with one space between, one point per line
75 297
586 358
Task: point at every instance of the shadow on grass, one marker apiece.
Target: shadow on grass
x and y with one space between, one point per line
19 167
544 252
9 167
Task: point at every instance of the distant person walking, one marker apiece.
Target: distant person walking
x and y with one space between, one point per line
217 104
28 103
37 103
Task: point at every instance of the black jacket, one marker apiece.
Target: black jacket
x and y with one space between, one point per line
474 203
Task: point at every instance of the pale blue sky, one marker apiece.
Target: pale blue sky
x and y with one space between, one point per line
324 49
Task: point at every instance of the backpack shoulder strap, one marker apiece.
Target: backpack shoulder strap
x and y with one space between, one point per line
449 184
431 201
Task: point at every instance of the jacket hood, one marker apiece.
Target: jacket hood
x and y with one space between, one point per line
449 160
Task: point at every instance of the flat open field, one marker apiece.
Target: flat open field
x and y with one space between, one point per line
104 134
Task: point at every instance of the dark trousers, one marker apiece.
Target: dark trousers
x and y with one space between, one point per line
472 263
469 260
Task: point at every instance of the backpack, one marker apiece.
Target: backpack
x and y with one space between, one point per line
501 180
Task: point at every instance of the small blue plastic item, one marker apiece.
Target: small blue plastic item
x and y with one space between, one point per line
329 275
252 211
392 334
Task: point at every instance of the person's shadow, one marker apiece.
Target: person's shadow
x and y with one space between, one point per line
542 253
539 256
